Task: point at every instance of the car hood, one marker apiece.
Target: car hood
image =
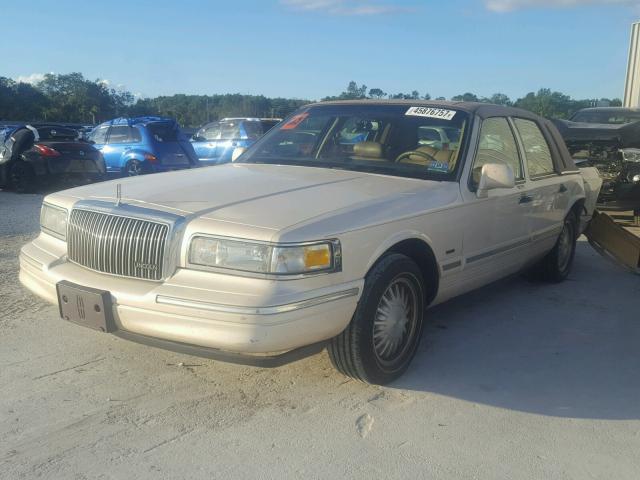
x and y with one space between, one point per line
267 197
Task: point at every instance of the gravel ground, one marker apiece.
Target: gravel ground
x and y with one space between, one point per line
516 380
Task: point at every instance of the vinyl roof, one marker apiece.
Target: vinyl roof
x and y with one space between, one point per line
477 108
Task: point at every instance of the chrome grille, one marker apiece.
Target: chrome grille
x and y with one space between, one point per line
115 244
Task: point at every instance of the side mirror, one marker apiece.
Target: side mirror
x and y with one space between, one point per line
493 176
237 152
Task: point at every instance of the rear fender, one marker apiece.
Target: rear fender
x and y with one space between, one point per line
134 154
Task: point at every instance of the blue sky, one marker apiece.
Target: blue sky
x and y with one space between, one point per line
313 48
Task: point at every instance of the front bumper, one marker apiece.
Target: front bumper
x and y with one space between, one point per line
185 314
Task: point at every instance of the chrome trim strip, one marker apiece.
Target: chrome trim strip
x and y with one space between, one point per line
552 232
270 310
497 251
452 265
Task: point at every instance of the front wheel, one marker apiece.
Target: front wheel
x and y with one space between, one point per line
382 338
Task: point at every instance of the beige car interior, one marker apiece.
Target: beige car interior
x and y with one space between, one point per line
375 151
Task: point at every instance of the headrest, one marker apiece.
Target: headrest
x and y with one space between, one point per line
368 150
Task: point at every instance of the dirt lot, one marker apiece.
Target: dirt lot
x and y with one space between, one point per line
517 380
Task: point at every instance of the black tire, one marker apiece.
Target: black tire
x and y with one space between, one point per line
355 352
133 168
22 177
556 265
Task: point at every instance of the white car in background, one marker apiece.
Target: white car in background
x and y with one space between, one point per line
309 241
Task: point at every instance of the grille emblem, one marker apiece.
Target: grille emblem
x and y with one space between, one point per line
81 153
146 266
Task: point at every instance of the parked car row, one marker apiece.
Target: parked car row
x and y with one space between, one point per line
119 147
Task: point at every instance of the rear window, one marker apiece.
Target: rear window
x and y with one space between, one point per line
164 131
55 133
124 134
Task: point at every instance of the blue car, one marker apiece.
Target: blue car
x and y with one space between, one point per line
215 142
135 146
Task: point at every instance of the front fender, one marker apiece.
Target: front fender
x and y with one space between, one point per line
395 239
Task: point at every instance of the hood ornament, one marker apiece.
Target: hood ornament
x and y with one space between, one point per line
118 194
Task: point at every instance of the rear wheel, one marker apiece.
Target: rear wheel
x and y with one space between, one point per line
555 267
22 177
381 340
133 168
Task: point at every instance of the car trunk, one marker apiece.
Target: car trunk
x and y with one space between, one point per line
75 157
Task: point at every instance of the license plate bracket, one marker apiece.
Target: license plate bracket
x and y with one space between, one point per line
86 306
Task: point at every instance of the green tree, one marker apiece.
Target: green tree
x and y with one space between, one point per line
377 93
465 97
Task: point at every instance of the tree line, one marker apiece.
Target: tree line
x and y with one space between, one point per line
73 98
544 102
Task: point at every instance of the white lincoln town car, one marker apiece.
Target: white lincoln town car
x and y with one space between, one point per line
337 229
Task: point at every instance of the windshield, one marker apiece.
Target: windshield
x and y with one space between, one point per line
609 117
386 139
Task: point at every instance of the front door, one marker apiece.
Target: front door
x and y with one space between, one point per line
497 233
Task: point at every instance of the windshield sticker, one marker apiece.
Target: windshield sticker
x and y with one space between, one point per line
431 113
438 167
295 121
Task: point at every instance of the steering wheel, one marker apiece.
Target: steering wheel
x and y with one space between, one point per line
419 153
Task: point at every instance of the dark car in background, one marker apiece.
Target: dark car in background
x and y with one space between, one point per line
215 142
609 139
135 146
56 153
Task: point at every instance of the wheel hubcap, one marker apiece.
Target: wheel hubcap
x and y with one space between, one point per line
564 247
395 321
134 169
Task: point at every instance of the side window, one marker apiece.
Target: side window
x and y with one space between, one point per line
134 135
119 134
209 132
99 135
536 148
497 145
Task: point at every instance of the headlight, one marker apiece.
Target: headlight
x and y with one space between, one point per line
630 154
265 258
53 220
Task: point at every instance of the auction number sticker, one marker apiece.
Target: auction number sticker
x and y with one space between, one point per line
430 112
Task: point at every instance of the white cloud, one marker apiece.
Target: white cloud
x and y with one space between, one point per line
32 79
343 7
510 5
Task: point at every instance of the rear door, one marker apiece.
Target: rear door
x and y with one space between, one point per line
120 140
549 195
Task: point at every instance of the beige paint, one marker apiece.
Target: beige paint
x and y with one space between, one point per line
368 213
